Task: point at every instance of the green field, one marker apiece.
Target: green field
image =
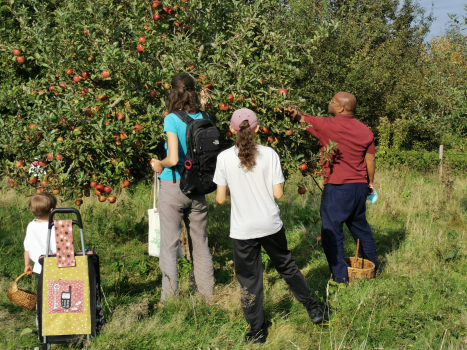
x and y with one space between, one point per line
419 301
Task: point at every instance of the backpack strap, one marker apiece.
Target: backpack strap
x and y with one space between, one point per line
205 115
183 116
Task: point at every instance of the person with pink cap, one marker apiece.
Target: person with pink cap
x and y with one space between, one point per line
251 174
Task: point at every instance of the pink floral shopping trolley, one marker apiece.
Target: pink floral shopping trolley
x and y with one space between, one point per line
69 305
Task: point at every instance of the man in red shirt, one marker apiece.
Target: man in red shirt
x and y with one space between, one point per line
348 179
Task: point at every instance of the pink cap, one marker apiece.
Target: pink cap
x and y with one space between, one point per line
243 114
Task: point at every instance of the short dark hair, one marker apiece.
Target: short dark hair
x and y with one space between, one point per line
41 204
183 95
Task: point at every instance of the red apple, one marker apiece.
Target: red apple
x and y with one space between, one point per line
185 27
33 180
231 98
155 4
283 92
152 94
228 134
264 130
51 88
166 10
138 127
105 74
86 31
42 164
116 135
157 16
140 48
78 202
16 52
93 184
126 183
301 190
39 190
303 166
102 199
13 185
146 27
10 181
62 85
32 126
107 189
43 183
58 157
100 187
209 86
85 75
224 106
19 59
69 71
270 139
97 193
142 39
76 78
120 115
50 156
123 135
289 132
112 199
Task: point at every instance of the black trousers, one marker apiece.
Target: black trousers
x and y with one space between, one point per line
249 271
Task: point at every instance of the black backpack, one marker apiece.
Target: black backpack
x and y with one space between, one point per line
203 147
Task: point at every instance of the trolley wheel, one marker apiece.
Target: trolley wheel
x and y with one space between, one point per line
46 346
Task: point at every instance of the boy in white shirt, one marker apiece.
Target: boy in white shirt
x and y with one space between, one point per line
35 242
252 174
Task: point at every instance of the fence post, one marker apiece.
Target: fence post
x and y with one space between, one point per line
441 149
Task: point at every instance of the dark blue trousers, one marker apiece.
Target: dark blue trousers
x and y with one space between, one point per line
345 204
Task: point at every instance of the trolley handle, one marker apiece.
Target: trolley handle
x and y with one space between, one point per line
77 222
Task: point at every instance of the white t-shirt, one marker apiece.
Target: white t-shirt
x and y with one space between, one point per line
35 242
254 212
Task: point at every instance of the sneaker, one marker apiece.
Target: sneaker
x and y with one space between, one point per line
316 315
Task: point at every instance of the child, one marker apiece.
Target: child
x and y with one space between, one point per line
253 176
35 243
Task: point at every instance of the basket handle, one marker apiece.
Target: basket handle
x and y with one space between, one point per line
20 276
356 252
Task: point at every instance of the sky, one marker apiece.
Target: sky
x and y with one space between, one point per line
441 8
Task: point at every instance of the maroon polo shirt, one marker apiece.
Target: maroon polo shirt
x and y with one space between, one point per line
353 139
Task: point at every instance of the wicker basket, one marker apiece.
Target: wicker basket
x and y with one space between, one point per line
21 297
359 268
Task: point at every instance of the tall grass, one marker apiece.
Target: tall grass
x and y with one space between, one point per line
418 301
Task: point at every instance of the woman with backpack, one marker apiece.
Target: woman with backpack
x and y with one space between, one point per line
251 174
175 206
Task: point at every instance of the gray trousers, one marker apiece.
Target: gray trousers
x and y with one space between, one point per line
174 207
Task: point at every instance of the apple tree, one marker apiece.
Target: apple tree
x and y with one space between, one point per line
83 88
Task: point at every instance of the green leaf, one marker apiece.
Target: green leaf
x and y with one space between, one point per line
451 254
453 234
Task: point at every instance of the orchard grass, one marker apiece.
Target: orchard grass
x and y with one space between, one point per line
419 300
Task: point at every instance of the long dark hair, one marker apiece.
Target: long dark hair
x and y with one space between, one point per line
245 142
183 95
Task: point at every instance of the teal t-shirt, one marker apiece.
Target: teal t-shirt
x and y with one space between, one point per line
174 124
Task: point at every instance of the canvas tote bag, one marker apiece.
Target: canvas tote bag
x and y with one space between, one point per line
154 235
